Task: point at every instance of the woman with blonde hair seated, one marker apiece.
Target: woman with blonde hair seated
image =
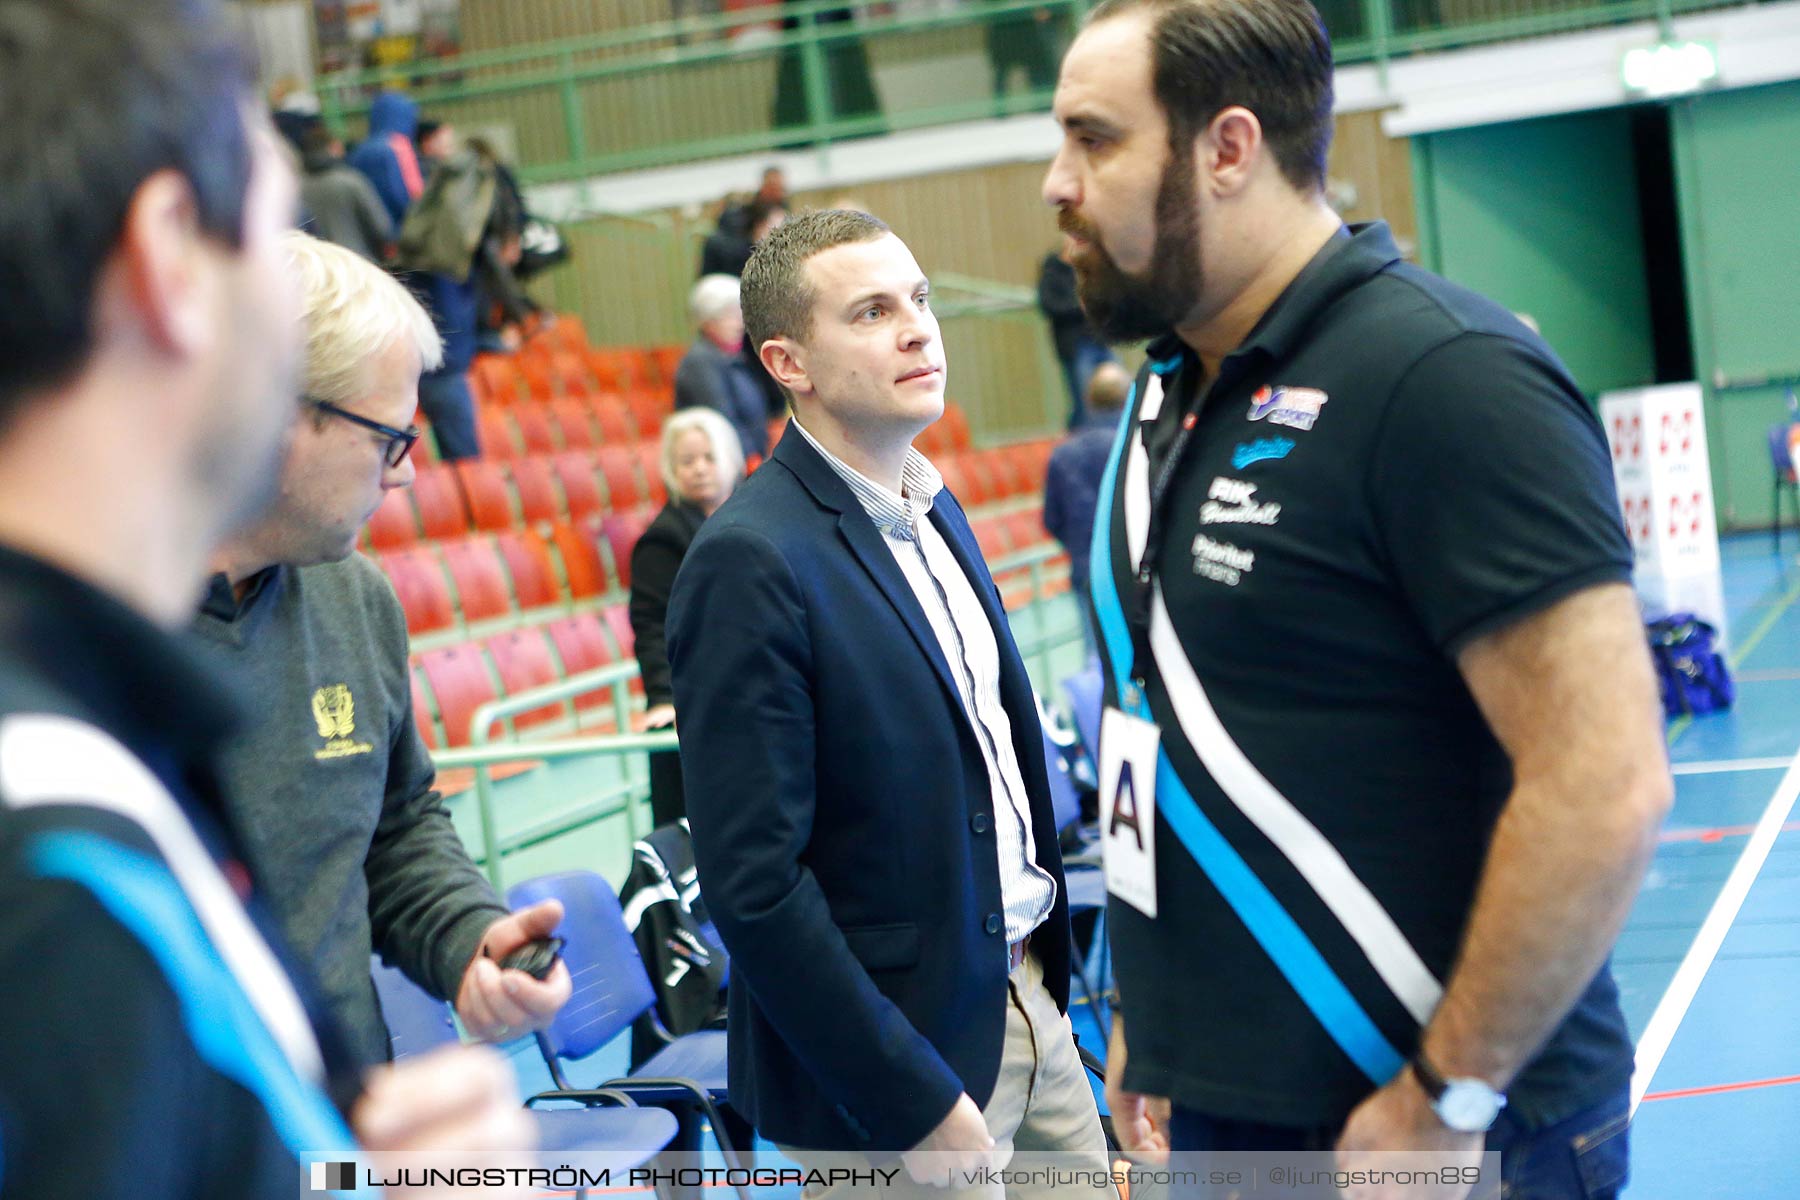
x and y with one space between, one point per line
701 463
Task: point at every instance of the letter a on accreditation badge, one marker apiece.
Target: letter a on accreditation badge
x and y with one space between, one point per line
1129 748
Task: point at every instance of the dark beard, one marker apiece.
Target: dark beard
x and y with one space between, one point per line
1126 308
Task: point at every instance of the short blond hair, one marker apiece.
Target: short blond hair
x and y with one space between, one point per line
354 311
727 449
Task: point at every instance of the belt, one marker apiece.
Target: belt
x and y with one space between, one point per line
1015 953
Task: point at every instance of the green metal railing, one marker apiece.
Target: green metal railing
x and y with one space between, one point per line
625 799
684 90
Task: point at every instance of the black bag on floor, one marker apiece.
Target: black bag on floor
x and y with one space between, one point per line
1692 672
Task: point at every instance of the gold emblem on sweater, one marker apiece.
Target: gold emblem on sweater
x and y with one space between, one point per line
334 711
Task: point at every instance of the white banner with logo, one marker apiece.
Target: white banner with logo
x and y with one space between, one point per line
1658 440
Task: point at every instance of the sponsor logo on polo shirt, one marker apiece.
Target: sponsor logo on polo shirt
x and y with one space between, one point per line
1233 502
1222 561
1294 407
334 712
1260 450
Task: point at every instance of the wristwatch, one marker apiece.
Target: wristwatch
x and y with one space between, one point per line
1465 1105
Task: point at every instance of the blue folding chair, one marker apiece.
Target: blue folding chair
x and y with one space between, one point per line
625 1136
612 990
1083 880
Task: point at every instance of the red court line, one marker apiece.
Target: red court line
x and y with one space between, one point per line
1719 834
1715 1089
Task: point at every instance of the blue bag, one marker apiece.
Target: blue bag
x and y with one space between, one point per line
1692 672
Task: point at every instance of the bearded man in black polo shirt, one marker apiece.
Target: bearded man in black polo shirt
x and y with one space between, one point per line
1366 615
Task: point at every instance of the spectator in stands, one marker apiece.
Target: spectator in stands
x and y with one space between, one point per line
701 464
340 813
1025 41
341 204
1072 480
151 1045
295 111
849 85
773 190
387 156
714 374
455 256
741 226
865 769
1078 348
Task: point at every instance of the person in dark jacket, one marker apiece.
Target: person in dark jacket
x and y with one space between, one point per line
1078 350
341 204
388 157
714 374
702 464
1072 480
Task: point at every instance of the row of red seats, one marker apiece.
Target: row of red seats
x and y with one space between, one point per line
452 583
550 368
536 490
451 682
450 500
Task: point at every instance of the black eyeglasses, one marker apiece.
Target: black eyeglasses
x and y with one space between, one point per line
400 441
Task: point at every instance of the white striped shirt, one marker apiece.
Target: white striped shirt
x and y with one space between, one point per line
1027 892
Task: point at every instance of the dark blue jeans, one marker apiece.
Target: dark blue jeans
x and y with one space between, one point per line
449 406
1582 1157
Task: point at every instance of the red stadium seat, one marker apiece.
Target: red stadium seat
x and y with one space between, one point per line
622 531
582 644
976 489
573 419
439 500
1007 482
956 424
499 381
499 436
649 456
522 660
575 470
618 623
667 359
777 427
613 369
582 567
536 432
460 682
991 537
533 573
535 481
540 384
480 578
649 409
422 717
484 488
617 426
951 470
617 465
394 523
571 373
1027 467
1025 528
422 588
567 331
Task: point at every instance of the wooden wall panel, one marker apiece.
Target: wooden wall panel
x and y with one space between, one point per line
1380 167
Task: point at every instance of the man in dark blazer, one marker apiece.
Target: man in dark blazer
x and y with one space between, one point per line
865 773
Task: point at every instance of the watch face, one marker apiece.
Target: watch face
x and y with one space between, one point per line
1468 1105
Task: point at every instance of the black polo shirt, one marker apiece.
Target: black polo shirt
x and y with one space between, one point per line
1388 468
110 1082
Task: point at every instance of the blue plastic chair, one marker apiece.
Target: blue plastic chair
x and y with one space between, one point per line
1086 693
1082 879
627 1136
612 990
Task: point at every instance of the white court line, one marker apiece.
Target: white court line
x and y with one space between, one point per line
1730 764
1674 1005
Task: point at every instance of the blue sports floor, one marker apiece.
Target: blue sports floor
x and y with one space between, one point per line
1719 967
1709 963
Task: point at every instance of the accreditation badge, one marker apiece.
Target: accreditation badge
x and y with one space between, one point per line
1129 747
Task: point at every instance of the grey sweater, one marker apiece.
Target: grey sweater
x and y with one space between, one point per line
331 787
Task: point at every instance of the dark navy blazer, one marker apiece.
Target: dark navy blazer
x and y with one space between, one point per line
842 817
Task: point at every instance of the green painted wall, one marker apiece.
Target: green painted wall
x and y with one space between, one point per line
1543 217
1737 168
